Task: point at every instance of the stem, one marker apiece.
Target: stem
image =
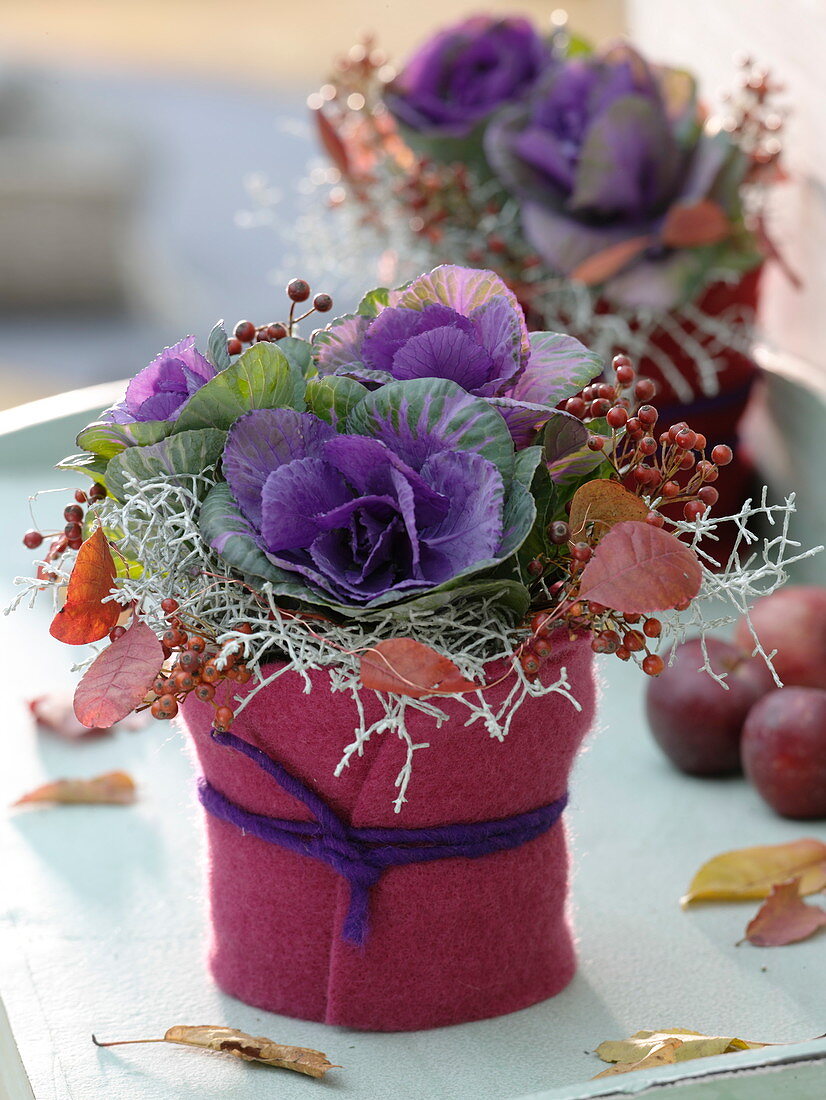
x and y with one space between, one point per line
124 1042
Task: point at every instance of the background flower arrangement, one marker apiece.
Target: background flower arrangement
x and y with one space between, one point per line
399 501
597 184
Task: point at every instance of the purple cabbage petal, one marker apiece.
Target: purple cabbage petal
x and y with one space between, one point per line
548 154
523 418
337 348
420 418
260 442
629 164
179 370
472 529
296 501
563 435
564 243
657 285
371 467
331 555
160 406
559 367
445 353
711 155
393 328
464 72
499 330
463 289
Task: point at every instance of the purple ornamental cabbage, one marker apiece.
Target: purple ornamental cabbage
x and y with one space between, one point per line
466 71
160 390
466 326
359 518
601 153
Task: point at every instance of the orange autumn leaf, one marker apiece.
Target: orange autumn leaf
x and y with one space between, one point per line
407 667
753 872
84 618
784 917
610 261
691 225
249 1048
603 503
116 788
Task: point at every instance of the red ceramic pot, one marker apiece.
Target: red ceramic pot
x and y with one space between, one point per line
451 940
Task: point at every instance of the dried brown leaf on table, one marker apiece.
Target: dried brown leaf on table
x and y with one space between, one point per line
54 712
116 788
784 917
752 872
692 1044
249 1048
665 1053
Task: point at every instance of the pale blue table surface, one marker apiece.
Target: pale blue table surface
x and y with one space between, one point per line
102 921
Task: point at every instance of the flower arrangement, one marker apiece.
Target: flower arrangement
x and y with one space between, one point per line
422 489
410 532
597 184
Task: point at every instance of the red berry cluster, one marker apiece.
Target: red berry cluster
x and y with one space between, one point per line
671 468
754 120
298 290
612 633
655 467
194 669
71 537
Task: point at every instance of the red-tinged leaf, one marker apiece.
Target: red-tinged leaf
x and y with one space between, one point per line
334 147
690 225
784 917
603 503
83 618
118 679
115 788
639 568
407 667
610 261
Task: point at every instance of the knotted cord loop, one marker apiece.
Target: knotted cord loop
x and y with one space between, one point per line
360 855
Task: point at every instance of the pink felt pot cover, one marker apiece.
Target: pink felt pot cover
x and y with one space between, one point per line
452 940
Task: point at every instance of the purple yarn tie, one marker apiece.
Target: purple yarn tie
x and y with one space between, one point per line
360 855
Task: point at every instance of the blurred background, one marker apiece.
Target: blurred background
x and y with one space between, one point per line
131 131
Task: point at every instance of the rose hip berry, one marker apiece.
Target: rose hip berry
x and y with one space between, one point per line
298 290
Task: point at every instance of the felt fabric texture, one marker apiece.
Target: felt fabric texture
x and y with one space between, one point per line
451 940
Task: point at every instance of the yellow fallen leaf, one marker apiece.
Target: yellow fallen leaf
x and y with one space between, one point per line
692 1044
664 1054
249 1048
752 872
114 787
